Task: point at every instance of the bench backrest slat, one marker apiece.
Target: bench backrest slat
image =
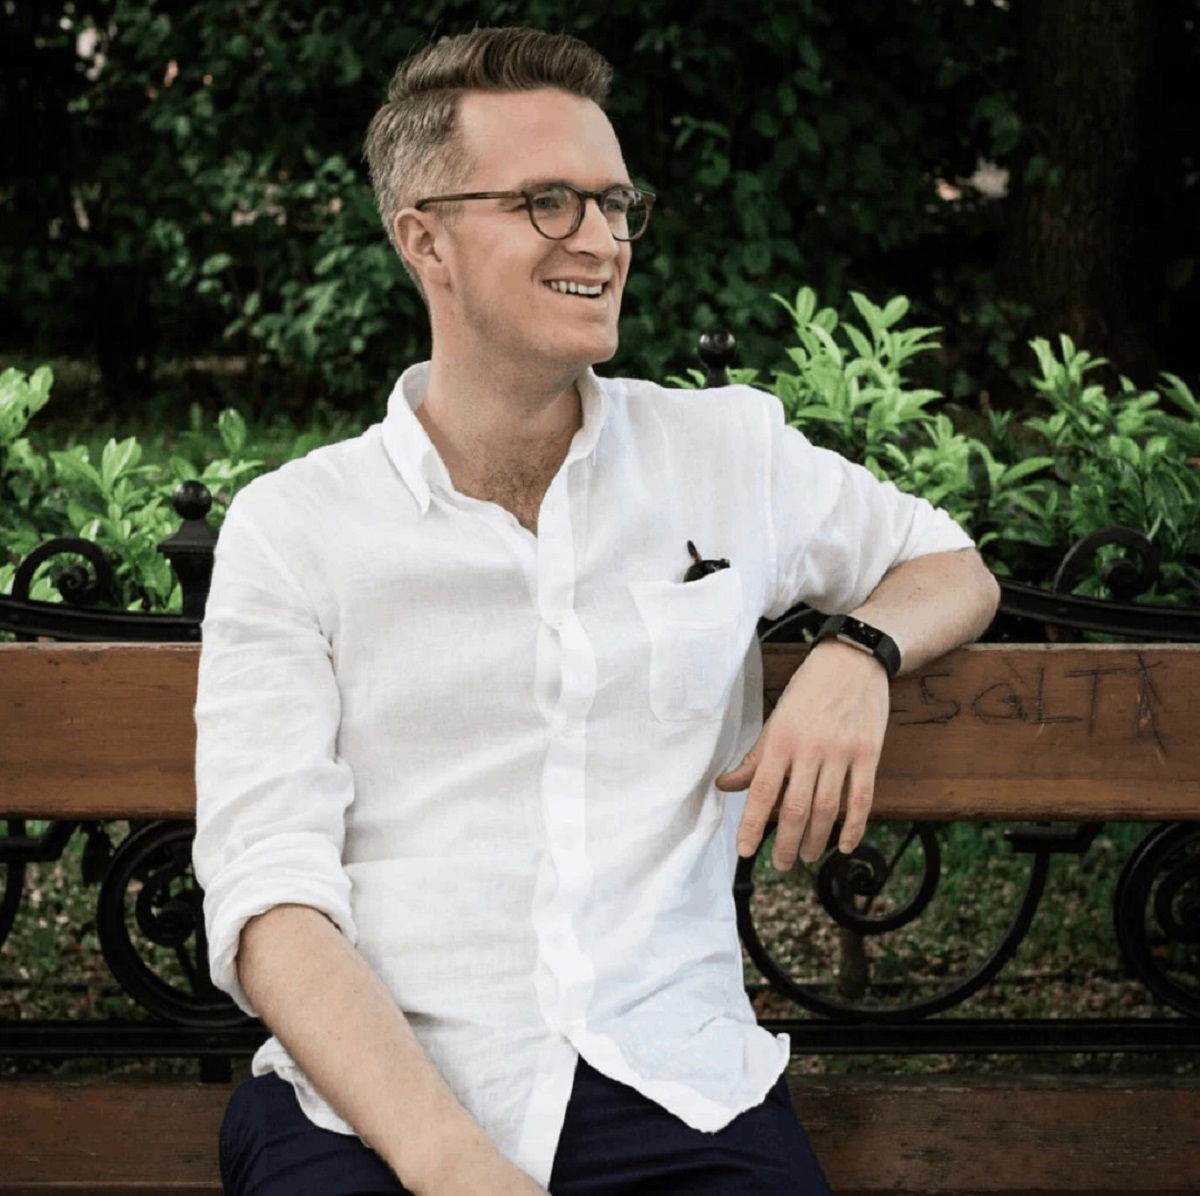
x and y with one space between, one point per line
991 731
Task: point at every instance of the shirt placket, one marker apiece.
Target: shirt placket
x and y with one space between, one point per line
565 973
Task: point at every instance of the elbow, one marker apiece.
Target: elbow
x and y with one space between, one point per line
270 939
990 594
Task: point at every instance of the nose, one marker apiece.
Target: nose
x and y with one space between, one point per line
594 235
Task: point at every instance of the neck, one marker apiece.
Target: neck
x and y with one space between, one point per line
484 418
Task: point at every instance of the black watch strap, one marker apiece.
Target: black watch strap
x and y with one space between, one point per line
871 639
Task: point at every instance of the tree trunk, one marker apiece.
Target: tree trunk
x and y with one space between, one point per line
1080 247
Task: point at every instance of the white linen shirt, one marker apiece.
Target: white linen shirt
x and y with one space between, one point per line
488 756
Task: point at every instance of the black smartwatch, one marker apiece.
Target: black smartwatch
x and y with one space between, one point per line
862 635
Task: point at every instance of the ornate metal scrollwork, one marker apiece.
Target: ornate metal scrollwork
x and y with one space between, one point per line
18 848
864 873
1125 577
846 890
1156 913
149 894
13 873
76 585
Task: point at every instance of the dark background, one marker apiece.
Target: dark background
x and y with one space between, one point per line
184 207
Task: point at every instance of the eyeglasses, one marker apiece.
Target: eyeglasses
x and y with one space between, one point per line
556 209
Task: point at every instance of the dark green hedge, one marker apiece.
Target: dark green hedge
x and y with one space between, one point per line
199 188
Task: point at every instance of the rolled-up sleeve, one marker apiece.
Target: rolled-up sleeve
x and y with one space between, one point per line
271 793
836 528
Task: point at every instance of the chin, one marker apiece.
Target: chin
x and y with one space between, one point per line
593 351
606 354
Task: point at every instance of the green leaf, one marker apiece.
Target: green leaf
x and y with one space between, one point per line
182 469
1024 468
827 342
21 398
806 137
862 346
895 310
216 263
870 313
232 430
116 459
74 467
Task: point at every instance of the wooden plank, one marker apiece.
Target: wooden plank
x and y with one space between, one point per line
932 1136
1003 1137
988 732
110 1137
1036 731
97 730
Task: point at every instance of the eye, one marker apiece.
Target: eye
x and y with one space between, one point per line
549 199
620 199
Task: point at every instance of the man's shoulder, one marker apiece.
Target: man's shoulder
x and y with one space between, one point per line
308 486
683 409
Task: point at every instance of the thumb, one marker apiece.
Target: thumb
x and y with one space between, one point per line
740 777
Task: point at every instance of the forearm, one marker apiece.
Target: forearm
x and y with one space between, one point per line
338 1021
932 604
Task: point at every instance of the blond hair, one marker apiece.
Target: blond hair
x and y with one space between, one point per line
413 148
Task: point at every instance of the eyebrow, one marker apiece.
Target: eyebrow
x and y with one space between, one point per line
529 184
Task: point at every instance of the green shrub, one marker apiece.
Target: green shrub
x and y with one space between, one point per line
1118 460
1095 461
119 502
1026 490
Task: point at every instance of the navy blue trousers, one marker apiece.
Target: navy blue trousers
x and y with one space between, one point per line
615 1142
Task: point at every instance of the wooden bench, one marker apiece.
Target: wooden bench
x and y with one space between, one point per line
991 732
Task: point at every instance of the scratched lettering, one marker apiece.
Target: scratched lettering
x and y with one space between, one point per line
1033 697
1118 697
999 703
935 708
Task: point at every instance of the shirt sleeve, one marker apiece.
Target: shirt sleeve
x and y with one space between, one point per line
837 529
271 793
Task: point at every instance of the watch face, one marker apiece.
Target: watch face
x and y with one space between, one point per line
865 634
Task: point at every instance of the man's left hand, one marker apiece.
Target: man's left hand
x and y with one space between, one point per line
822 742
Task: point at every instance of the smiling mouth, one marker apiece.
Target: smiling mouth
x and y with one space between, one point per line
578 290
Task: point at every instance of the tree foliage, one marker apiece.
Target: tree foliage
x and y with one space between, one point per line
187 177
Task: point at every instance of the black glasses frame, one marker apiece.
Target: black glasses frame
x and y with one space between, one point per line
528 194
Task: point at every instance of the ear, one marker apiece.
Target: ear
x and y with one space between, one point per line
418 239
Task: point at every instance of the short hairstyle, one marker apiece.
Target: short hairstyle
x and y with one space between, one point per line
413 146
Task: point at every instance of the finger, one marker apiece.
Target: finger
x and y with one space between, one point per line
739 778
826 801
793 815
760 803
860 793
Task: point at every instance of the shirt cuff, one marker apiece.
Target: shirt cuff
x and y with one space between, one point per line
291 869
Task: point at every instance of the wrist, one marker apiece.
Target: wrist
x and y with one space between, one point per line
860 636
847 656
441 1159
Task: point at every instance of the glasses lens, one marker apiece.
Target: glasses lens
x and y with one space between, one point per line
626 211
554 209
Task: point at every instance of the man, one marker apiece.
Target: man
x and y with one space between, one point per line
469 710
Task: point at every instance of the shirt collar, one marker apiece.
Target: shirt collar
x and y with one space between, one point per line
412 452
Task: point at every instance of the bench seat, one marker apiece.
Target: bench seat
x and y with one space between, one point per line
927 1135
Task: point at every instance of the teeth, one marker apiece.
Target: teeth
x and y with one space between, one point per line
573 288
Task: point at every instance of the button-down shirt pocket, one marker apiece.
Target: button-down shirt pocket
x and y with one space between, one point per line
695 642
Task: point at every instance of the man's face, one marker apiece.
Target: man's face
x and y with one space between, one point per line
500 268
